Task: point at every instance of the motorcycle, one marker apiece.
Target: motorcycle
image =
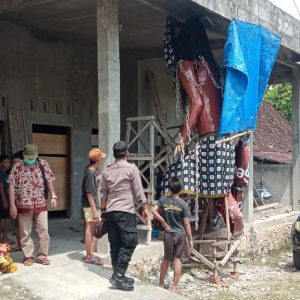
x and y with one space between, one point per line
295 238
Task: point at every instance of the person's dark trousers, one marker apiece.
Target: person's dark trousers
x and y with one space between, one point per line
122 236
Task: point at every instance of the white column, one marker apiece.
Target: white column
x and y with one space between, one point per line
108 84
296 140
248 202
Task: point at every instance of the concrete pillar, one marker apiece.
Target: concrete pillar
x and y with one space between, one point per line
108 83
248 202
129 88
108 75
296 140
78 163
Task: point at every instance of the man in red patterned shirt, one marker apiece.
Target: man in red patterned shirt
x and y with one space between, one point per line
30 181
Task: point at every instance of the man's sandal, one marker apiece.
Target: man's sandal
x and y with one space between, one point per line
15 249
28 262
43 261
93 261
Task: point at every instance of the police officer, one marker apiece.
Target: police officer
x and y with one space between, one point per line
121 191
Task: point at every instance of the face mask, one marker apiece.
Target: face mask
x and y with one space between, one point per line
29 162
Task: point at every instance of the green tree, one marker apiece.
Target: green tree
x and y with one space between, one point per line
280 96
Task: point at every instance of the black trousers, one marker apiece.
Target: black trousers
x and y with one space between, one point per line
122 236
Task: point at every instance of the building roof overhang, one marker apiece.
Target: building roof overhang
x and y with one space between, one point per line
142 23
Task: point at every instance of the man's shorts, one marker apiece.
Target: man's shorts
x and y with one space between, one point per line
88 214
175 246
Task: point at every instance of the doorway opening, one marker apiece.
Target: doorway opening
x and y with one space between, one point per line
2 137
54 146
94 138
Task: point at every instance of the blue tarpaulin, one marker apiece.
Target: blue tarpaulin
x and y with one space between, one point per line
249 55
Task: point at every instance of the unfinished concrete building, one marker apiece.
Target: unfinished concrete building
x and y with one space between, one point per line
72 71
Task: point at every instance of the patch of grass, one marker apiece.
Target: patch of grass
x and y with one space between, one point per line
272 257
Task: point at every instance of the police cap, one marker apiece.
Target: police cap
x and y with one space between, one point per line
120 148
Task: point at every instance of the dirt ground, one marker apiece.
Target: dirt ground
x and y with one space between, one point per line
258 281
272 276
10 290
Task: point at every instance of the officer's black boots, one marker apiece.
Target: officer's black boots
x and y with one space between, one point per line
128 279
121 282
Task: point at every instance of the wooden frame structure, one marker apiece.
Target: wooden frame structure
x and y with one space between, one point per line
135 139
217 258
140 136
215 264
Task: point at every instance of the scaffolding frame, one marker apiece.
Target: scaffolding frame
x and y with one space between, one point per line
135 138
136 128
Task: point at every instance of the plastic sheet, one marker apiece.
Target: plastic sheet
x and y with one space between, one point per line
249 55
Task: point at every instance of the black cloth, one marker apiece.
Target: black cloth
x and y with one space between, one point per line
187 41
191 41
4 212
3 179
123 239
174 210
89 185
170 35
146 174
159 181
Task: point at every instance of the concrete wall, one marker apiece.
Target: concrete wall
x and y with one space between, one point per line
278 178
165 87
38 68
260 12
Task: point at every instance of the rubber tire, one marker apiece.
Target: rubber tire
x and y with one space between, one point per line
296 259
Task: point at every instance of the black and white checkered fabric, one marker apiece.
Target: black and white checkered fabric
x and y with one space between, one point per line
171 30
215 169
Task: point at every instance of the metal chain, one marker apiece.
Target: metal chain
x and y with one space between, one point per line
205 64
180 139
187 123
218 86
191 80
209 72
179 113
182 146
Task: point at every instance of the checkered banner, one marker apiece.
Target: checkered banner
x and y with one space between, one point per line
215 166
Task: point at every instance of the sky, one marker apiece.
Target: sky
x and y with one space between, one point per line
288 6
